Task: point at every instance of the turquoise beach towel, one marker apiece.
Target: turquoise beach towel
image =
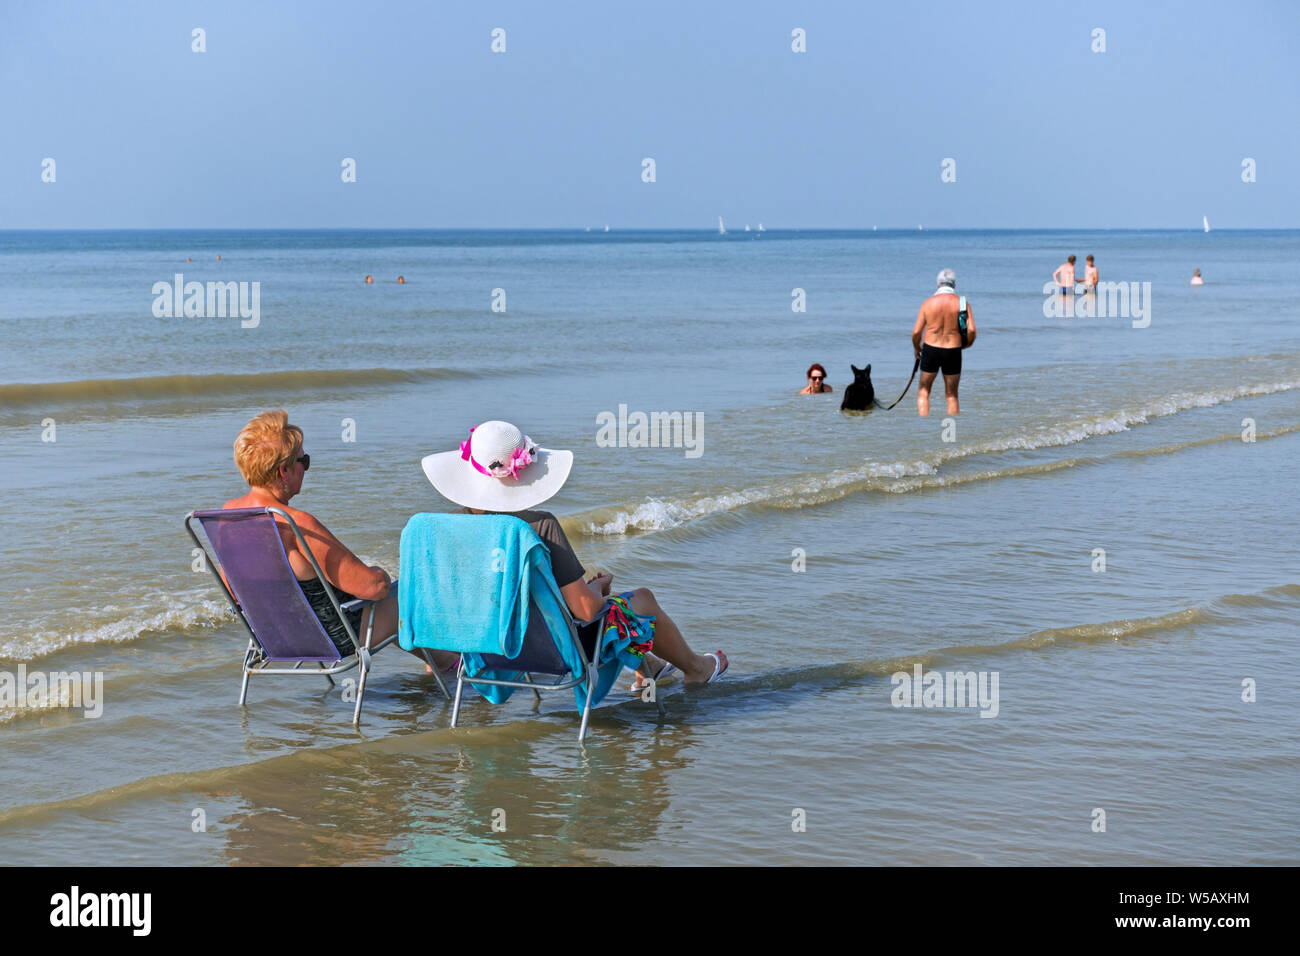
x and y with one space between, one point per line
467 581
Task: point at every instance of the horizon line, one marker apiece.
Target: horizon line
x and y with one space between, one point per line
644 229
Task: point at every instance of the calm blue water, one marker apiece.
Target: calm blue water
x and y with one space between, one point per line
966 546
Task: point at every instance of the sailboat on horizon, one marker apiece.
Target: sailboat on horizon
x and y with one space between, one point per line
722 230
1206 223
760 228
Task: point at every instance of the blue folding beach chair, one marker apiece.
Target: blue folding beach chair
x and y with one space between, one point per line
482 585
254 573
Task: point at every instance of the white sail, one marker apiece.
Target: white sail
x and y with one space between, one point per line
607 228
760 228
1206 223
722 230
747 227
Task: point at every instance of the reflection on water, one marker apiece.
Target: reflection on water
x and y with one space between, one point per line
531 795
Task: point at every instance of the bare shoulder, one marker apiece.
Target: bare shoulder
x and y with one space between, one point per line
306 521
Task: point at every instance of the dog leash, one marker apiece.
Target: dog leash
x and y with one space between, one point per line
915 366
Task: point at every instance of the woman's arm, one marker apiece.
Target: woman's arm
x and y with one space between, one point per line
584 599
343 568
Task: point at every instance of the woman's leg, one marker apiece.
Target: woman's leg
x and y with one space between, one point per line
669 643
385 612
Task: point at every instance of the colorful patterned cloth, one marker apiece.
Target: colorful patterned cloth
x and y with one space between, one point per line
632 635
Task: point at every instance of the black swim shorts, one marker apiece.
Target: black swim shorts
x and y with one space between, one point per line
933 359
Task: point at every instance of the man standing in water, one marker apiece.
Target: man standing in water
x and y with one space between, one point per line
944 327
1064 276
1090 277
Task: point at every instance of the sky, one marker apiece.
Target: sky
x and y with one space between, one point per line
1043 131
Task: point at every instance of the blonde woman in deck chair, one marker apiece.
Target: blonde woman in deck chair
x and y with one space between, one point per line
269 454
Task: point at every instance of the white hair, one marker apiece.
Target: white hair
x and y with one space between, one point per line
947 277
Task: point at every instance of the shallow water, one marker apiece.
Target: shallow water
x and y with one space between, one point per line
1118 689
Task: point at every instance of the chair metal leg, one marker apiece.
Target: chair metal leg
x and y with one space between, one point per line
586 710
363 660
321 665
442 685
460 685
528 679
363 657
437 677
243 687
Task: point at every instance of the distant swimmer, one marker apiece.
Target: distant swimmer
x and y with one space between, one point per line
188 259
1064 276
218 258
944 326
401 281
1090 277
816 381
369 279
1196 277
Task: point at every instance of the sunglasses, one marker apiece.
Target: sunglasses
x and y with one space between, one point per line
817 378
306 461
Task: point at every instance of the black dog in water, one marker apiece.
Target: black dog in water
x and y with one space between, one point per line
860 394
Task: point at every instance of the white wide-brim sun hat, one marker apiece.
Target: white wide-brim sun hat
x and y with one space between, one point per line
498 468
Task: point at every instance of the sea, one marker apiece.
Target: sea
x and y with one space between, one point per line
1057 628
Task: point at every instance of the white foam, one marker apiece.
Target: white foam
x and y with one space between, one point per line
1051 436
657 514
180 615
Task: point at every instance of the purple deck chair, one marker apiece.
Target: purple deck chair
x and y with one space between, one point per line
262 588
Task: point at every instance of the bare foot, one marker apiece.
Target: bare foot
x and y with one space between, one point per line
705 668
650 665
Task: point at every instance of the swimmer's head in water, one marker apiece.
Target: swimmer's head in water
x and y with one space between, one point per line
947 278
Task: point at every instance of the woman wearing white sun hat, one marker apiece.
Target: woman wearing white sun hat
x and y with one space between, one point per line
500 470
